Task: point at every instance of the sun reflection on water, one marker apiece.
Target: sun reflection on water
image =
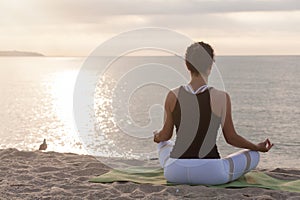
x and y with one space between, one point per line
65 138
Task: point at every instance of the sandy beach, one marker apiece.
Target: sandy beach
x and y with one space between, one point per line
52 175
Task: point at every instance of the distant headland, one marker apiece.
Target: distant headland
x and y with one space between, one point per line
19 53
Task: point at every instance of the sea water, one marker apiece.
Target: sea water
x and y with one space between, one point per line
37 102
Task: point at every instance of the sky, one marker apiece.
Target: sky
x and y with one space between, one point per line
77 27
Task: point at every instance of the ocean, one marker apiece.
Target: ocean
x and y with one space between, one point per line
37 102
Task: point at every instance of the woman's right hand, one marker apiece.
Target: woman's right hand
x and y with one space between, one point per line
264 146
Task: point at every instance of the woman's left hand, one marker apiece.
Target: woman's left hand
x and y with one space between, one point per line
156 136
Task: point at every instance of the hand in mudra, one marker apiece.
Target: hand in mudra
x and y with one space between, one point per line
264 146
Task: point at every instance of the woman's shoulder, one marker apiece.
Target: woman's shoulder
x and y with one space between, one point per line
218 101
173 93
172 98
216 93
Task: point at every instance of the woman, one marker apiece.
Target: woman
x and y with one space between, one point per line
197 111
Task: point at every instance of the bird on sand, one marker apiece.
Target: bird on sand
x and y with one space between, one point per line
43 146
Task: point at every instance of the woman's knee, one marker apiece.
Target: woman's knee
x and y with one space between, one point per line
255 157
164 150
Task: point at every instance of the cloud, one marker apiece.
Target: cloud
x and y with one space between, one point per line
82 8
91 11
76 27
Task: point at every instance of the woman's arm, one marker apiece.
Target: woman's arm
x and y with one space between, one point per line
167 130
236 140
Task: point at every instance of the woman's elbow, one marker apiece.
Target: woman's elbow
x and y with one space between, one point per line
228 141
231 139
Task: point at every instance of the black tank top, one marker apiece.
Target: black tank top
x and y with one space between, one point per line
197 136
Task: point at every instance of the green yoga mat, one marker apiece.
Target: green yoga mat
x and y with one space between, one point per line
155 176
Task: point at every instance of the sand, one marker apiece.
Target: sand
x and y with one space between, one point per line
52 175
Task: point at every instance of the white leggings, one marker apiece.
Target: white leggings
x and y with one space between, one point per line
205 171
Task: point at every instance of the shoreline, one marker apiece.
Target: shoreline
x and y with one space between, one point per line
53 175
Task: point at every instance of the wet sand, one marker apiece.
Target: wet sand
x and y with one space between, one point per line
52 175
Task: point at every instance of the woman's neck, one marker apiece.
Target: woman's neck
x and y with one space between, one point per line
198 80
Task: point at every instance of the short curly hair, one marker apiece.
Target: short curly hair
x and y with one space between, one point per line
199 57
